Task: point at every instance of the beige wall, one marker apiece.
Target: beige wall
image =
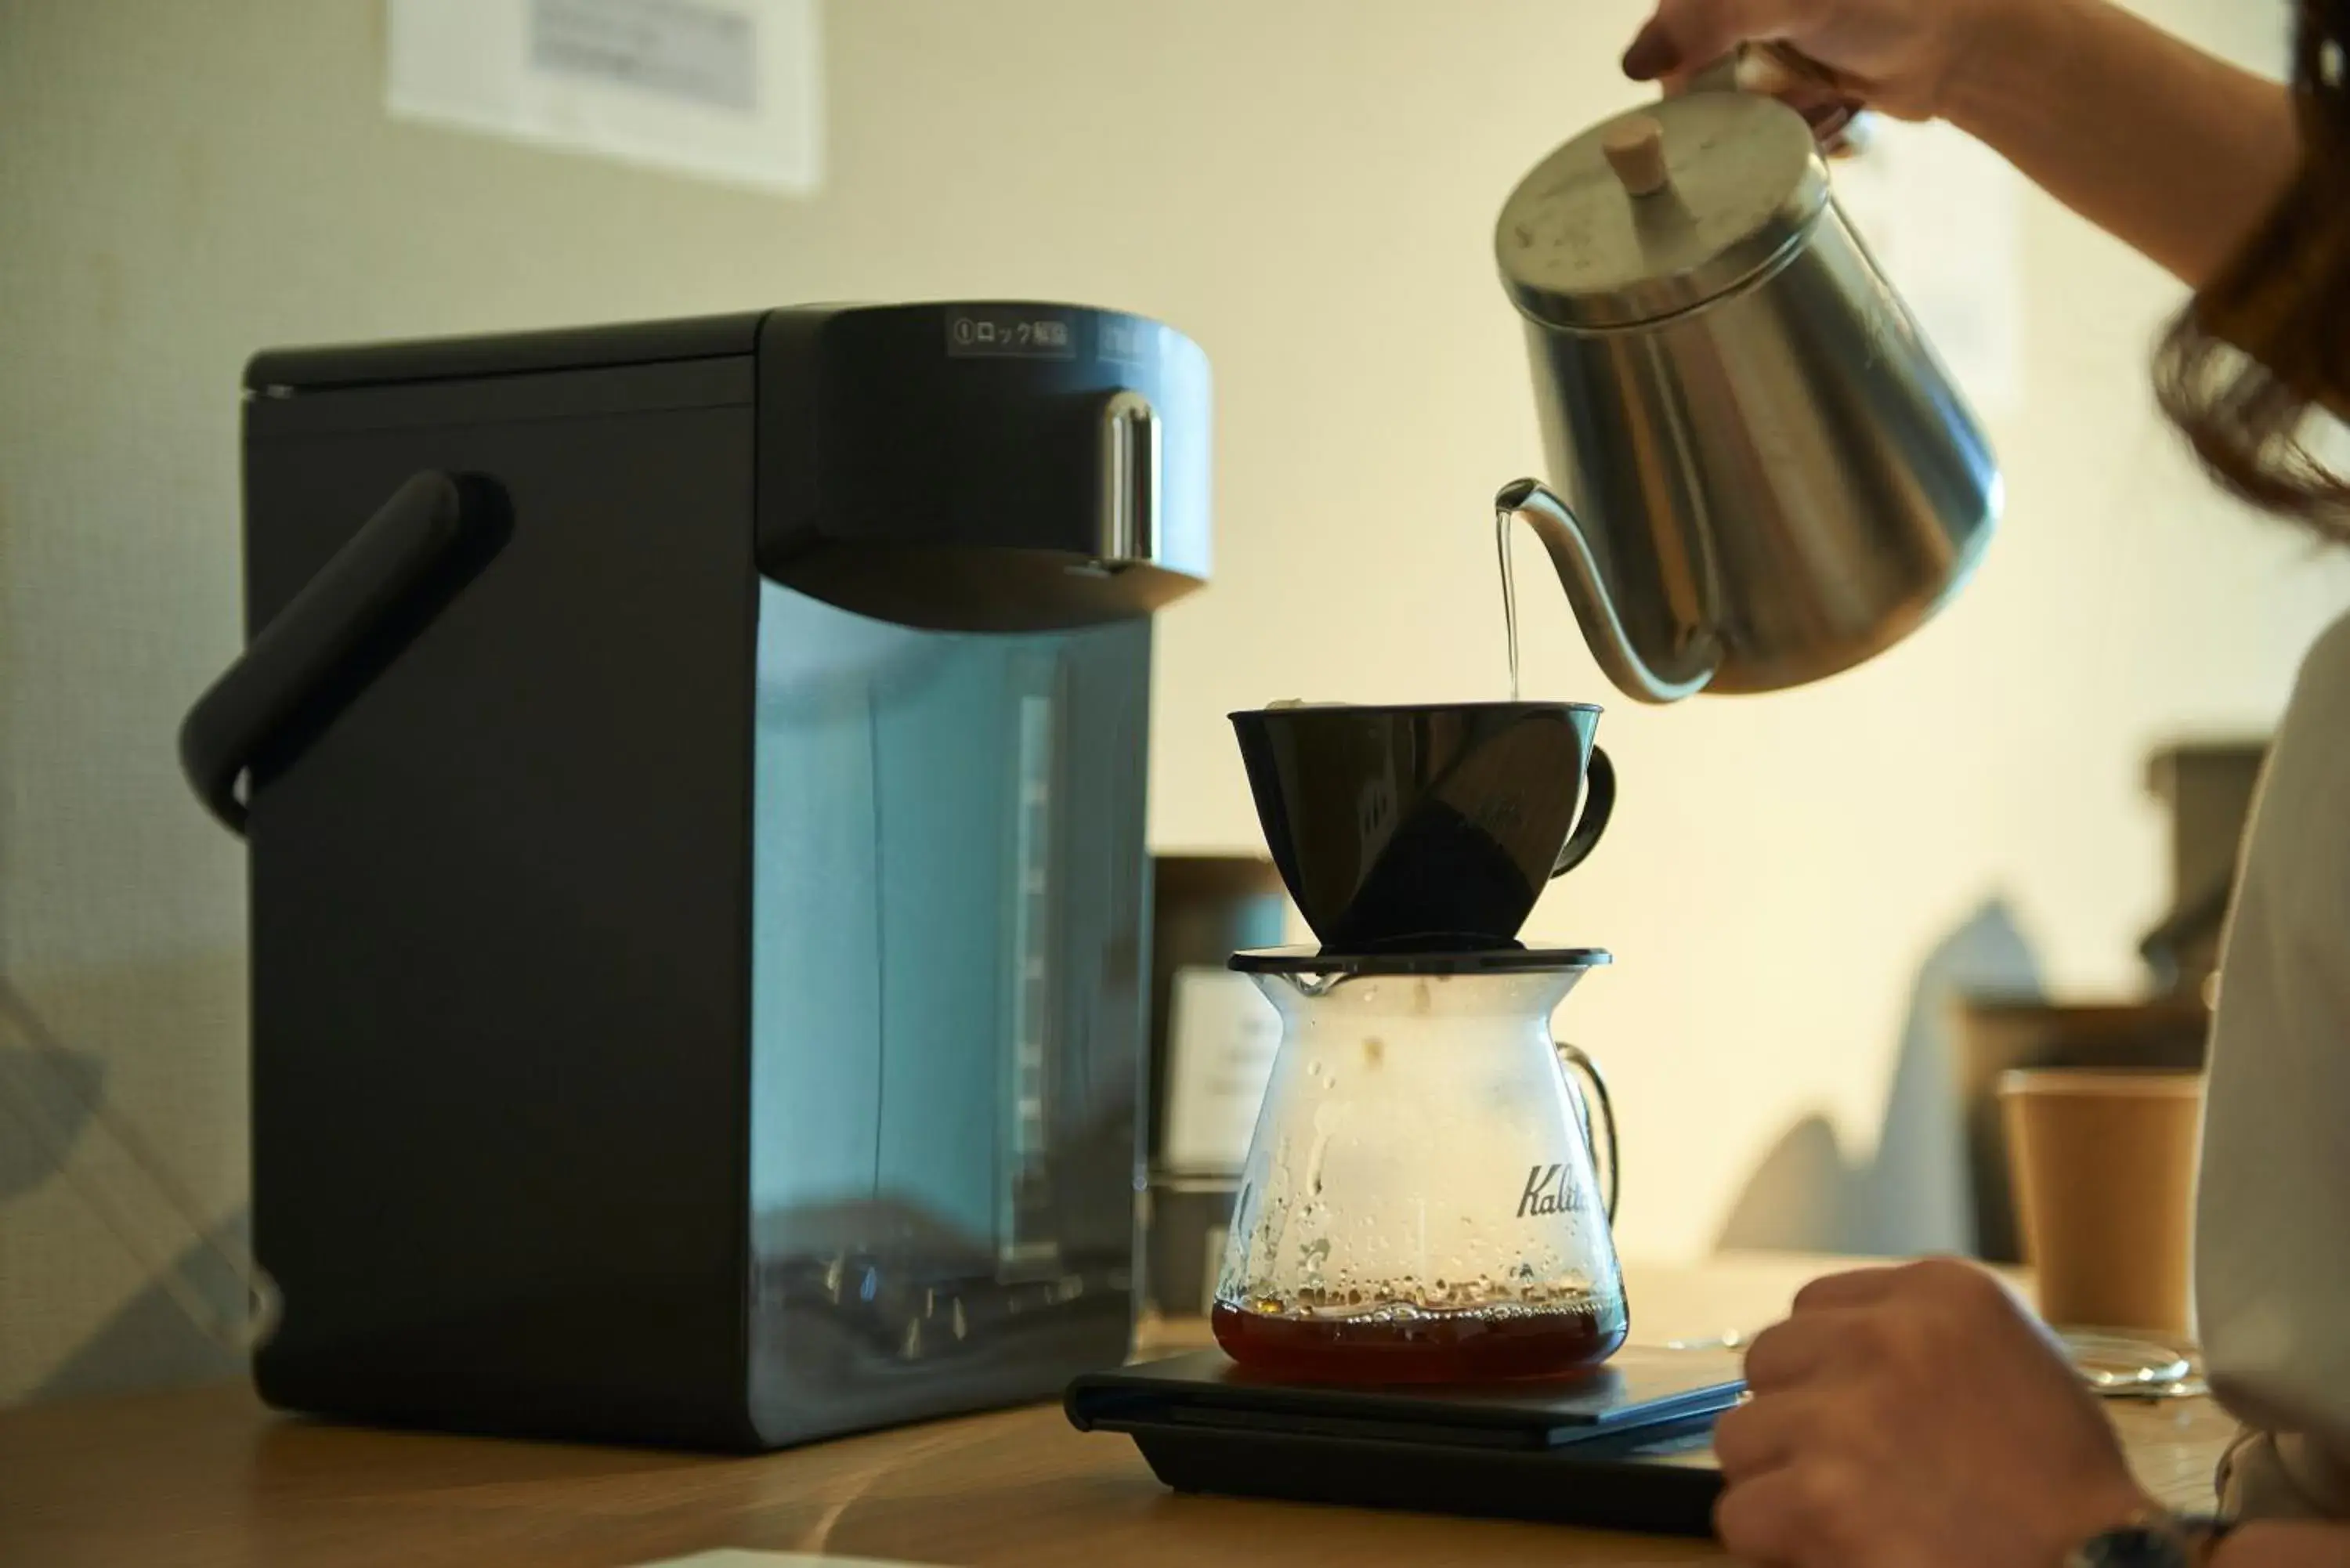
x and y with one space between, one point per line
1303 185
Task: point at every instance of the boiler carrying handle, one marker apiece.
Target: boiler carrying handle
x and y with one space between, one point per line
314 654
1599 1105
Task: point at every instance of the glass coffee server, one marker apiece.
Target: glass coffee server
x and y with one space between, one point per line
1430 1187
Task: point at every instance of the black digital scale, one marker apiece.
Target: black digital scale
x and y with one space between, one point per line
1629 1447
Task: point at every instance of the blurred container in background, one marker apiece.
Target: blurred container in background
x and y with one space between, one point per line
1212 1038
2207 790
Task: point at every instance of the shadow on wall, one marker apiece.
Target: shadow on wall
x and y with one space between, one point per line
1912 1197
45 1100
50 1096
151 1341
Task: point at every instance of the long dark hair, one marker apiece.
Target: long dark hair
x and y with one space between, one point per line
2263 350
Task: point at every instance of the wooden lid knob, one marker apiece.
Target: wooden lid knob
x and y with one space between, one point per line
1635 150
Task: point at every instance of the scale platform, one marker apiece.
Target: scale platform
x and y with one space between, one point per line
1629 1446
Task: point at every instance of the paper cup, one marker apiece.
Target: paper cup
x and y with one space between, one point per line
2104 1162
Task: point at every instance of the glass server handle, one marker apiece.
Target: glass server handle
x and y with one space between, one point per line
1603 1150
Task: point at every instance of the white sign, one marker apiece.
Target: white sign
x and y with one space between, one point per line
1222 1036
1944 216
730 90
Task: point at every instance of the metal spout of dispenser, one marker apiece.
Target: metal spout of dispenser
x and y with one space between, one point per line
1594 599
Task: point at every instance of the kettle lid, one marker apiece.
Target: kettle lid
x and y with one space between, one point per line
1659 210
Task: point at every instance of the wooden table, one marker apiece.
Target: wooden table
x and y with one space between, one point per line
206 1478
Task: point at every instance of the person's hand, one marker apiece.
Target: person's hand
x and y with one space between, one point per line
1900 57
1915 1417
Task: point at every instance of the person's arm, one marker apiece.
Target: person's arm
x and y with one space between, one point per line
1860 1448
2285 1546
2175 153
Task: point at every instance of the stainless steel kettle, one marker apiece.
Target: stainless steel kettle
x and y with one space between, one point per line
1767 475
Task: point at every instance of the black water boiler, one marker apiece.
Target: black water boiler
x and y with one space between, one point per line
693 780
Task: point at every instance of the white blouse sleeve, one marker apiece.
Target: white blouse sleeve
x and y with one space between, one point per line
2272 1223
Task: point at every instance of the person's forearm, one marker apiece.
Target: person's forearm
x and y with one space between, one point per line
2285 1546
2173 151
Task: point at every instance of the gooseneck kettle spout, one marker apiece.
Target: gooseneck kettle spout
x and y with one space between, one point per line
1594 601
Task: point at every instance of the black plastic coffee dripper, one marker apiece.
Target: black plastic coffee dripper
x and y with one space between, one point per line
1411 829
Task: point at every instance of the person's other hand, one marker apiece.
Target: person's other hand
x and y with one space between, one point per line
1900 57
1915 1417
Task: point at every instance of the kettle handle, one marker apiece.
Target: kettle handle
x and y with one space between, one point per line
1842 127
1575 1064
1598 801
317 650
